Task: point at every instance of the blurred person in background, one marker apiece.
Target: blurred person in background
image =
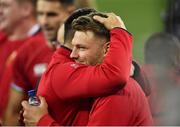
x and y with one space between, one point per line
69 86
162 66
35 55
18 23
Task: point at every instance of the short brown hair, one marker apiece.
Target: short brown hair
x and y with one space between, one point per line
84 23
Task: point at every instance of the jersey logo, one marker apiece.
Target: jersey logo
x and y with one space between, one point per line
74 65
39 69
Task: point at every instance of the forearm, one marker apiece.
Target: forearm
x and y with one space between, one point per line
11 119
118 61
13 108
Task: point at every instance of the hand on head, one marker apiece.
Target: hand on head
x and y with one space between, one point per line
111 21
32 114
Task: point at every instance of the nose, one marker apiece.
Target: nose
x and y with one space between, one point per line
43 20
74 54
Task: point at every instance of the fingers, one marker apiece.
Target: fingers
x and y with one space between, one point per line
99 19
26 109
25 104
111 21
26 114
122 23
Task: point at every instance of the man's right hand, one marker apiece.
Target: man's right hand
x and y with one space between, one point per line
32 114
111 21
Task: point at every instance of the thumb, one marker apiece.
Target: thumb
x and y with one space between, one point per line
25 104
99 19
43 101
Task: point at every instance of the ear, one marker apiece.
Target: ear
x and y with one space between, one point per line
132 71
106 47
60 35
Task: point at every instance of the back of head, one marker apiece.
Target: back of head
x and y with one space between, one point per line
68 30
163 49
85 23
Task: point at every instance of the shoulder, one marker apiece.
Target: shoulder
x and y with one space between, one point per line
133 88
34 42
31 45
131 91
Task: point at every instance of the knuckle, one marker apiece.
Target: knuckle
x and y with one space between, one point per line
24 113
25 121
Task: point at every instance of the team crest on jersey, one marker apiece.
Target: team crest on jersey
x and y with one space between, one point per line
39 69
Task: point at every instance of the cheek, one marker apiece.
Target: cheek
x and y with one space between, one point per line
93 57
98 55
55 22
82 55
58 20
13 18
7 13
14 12
62 17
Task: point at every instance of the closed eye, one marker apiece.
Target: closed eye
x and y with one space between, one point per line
81 48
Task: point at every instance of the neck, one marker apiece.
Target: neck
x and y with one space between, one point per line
20 31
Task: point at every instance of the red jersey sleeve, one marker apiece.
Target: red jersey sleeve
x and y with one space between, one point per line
30 54
19 75
73 80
